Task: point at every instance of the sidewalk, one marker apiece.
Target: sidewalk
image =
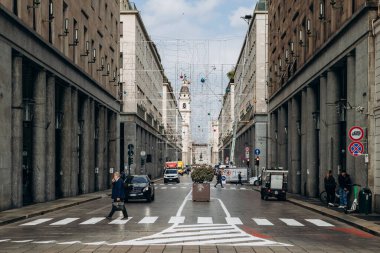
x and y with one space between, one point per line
368 223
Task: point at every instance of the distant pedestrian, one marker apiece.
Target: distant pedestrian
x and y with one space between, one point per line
118 195
239 179
344 181
330 186
219 179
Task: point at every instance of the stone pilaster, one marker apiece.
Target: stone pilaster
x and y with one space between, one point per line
323 140
39 138
296 147
304 146
85 147
17 131
50 139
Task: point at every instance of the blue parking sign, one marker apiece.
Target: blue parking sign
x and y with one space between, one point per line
257 151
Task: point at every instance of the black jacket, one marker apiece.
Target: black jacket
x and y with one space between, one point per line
344 182
118 190
330 183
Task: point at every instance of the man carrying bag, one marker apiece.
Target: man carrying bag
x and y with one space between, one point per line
118 195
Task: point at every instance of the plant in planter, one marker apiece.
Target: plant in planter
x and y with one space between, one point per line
201 183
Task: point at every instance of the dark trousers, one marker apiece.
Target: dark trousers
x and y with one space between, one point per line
330 195
239 181
219 182
114 209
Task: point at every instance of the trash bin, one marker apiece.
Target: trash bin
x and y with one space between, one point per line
365 201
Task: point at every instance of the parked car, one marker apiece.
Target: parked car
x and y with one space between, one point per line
171 175
139 187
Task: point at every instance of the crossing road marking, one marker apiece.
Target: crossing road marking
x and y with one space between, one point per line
36 222
177 219
64 221
164 187
319 223
234 220
149 219
207 220
262 222
92 221
119 221
292 222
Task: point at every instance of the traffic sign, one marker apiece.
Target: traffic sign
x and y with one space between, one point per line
246 149
356 133
356 148
257 151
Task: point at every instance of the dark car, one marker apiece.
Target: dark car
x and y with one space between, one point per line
139 187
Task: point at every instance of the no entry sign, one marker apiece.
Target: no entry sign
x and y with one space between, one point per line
356 133
356 148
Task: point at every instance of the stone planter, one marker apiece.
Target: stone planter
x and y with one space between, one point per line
201 192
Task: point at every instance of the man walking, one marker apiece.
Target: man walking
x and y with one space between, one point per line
219 179
118 195
239 179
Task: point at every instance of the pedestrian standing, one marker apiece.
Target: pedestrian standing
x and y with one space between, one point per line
118 195
344 181
330 186
219 179
239 178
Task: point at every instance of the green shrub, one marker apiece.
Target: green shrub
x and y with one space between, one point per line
202 174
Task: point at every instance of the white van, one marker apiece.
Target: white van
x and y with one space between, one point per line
171 175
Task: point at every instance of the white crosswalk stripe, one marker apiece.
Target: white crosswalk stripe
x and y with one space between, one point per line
120 221
148 220
292 222
92 221
177 219
234 220
319 223
202 234
207 220
36 222
262 222
64 222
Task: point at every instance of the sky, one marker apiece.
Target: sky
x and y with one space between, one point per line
202 40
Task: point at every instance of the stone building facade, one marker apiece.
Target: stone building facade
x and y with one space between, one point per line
149 117
249 129
321 83
59 105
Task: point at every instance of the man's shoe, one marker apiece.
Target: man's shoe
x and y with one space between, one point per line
330 204
125 218
340 206
109 218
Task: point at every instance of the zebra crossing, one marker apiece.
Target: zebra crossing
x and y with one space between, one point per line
189 185
178 220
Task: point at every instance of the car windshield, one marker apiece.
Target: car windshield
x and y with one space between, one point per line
171 172
137 179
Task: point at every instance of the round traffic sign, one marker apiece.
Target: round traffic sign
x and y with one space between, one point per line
356 133
223 178
356 148
246 149
257 151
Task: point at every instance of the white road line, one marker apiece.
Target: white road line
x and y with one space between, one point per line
5 240
163 188
224 208
320 223
226 226
44 242
177 219
183 203
183 187
95 243
22 241
233 188
191 233
203 220
69 243
201 225
243 188
262 222
119 221
234 220
36 222
149 219
92 221
162 184
292 222
173 187
64 221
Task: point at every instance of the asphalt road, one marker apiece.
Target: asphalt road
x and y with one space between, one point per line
235 219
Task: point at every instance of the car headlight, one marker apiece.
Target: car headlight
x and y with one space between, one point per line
146 189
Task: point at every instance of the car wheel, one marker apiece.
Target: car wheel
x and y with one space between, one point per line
256 183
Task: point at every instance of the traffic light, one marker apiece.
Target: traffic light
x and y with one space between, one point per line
257 161
130 160
130 150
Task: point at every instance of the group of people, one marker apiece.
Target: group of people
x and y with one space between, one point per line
344 183
219 179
